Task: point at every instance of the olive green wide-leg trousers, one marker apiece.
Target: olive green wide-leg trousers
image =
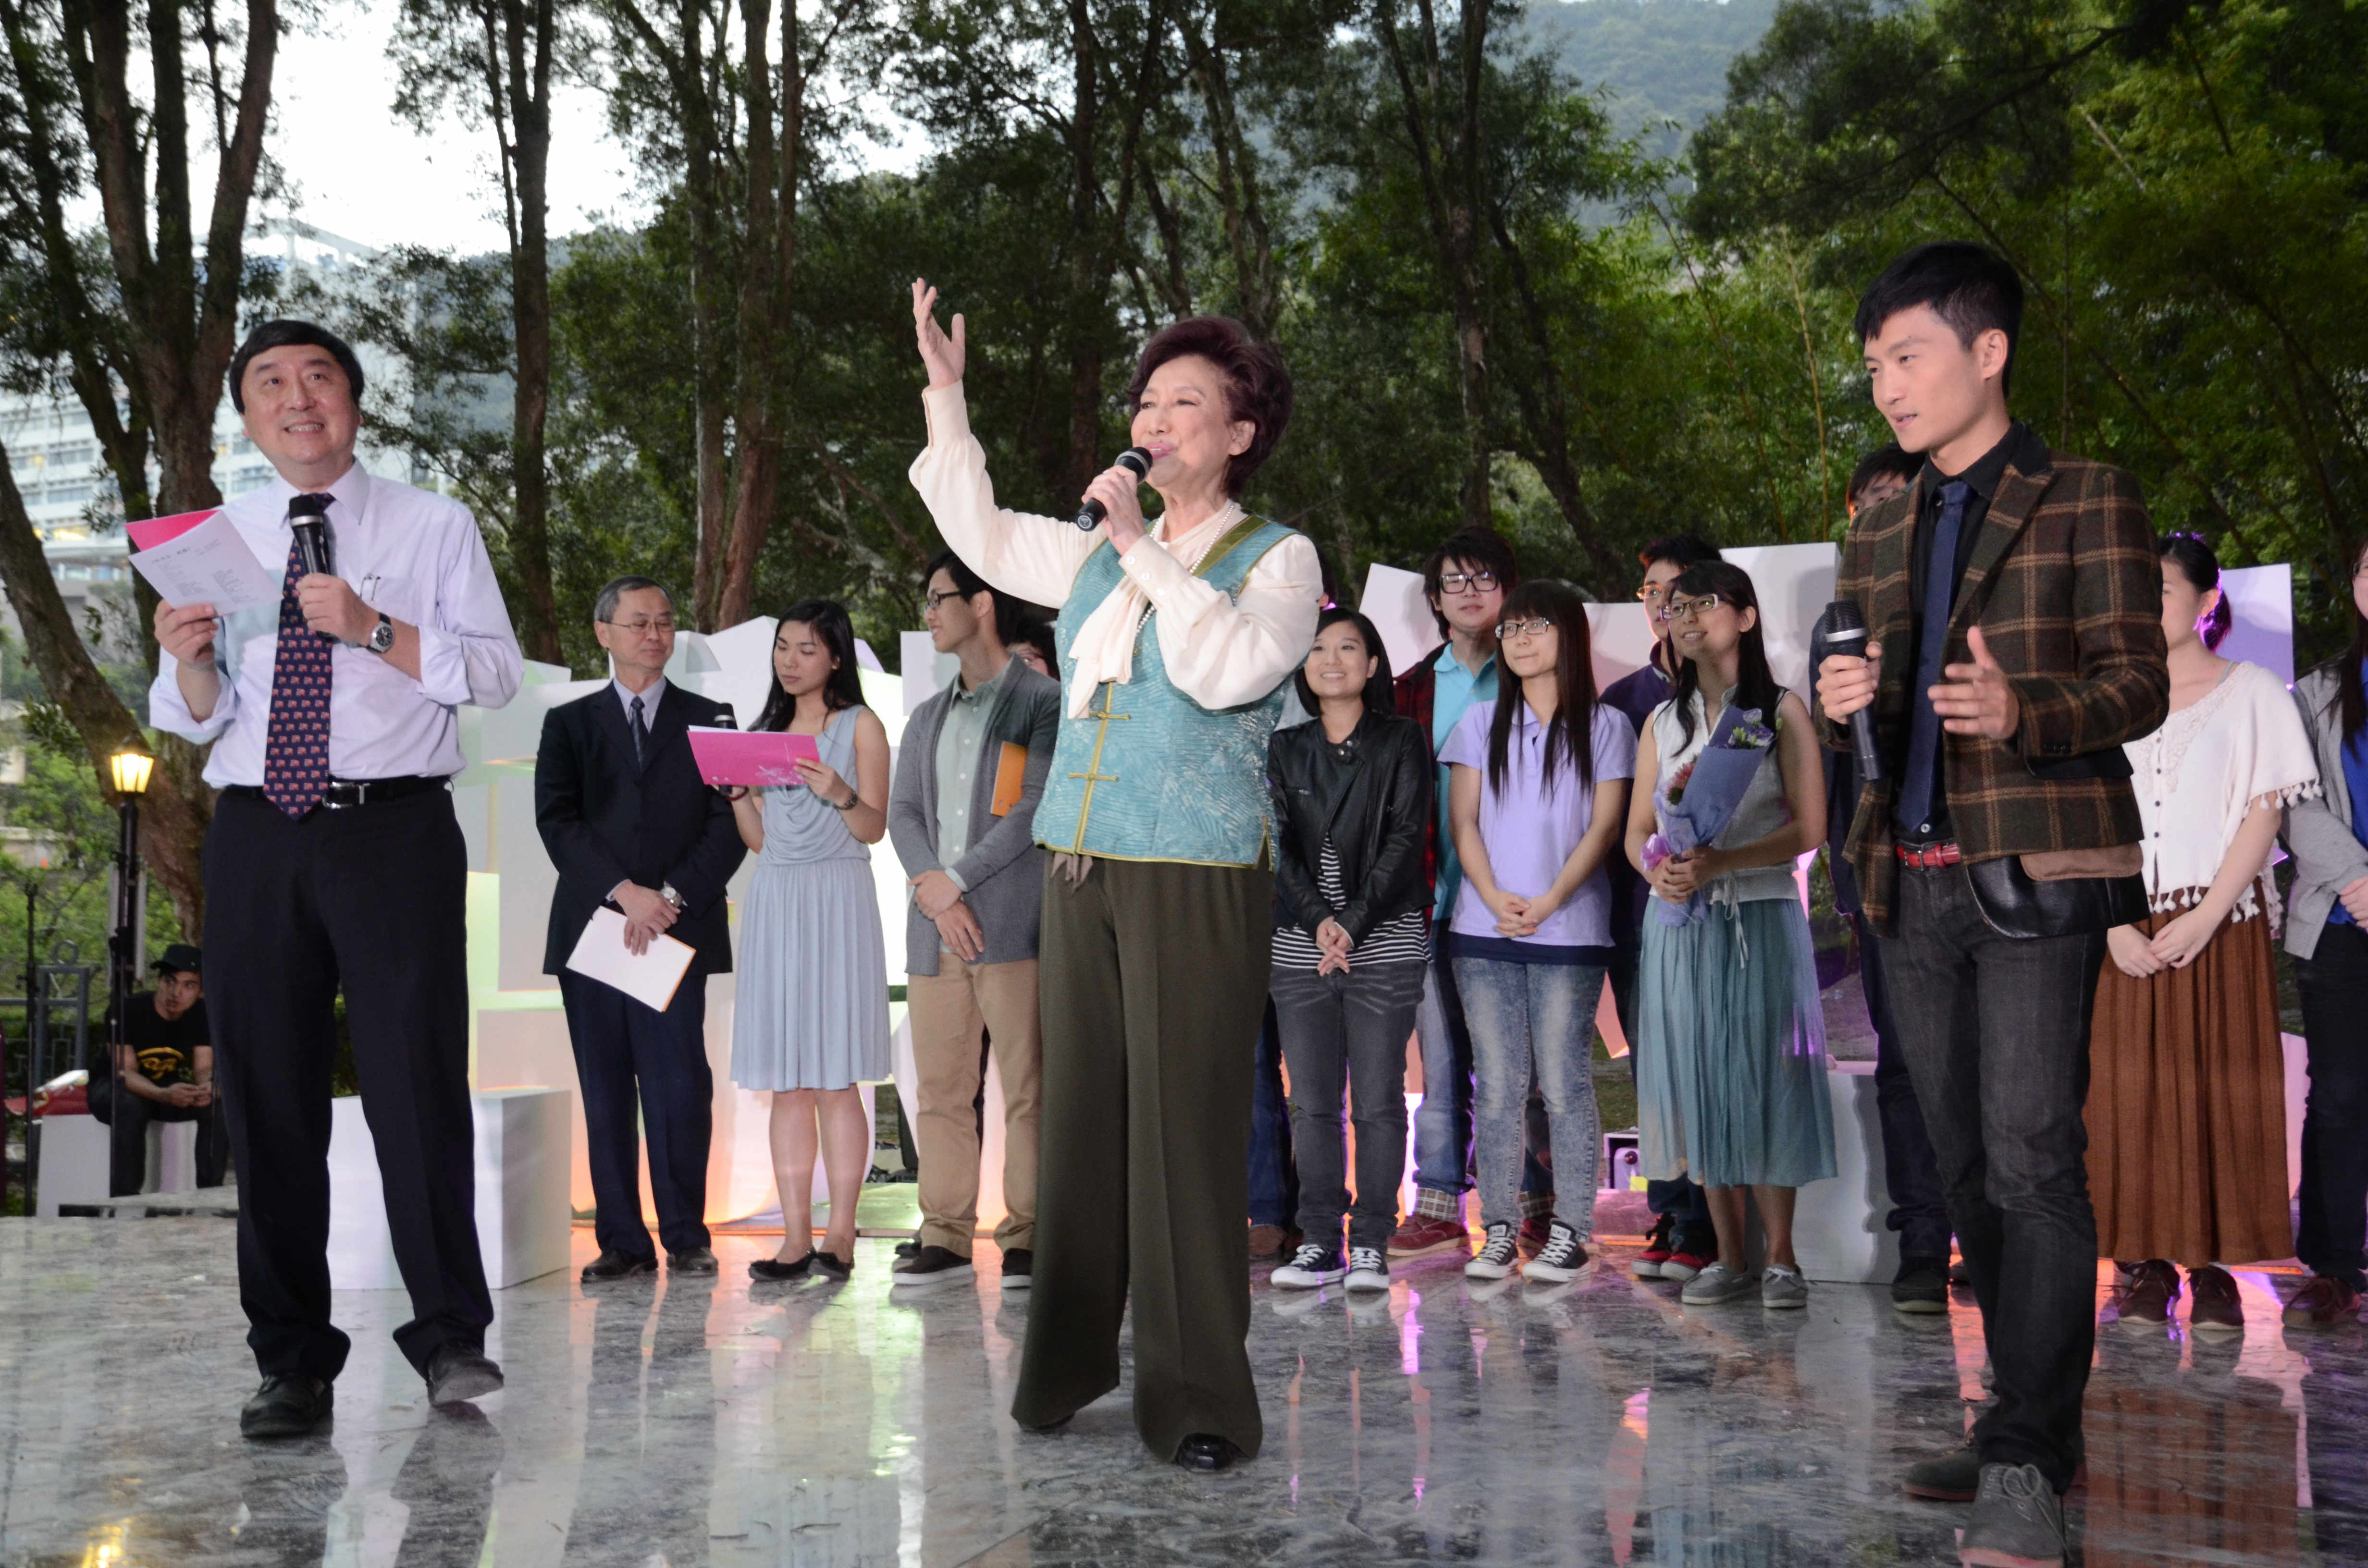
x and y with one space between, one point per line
1154 979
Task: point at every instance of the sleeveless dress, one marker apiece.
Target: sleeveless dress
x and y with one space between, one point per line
1731 1036
810 1010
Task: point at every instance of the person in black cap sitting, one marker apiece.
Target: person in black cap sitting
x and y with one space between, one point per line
168 1076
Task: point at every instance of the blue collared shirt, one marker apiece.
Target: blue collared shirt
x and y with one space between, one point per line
1453 691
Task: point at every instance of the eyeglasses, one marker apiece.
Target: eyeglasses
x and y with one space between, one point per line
1458 582
930 602
1688 609
1536 626
1653 593
664 625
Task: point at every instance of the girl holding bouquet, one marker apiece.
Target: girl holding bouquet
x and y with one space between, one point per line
1537 793
1731 1048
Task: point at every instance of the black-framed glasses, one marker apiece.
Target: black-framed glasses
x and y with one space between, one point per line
664 624
1459 582
1688 609
1536 626
930 601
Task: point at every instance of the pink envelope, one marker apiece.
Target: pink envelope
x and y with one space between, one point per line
150 532
750 757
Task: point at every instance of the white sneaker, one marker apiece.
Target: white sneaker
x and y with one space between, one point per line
1782 1288
1715 1286
1495 1260
1312 1265
1368 1269
1563 1258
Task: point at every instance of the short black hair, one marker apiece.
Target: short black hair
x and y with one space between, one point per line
1381 687
284 332
604 603
1679 550
1970 287
1484 548
1883 459
1035 629
969 583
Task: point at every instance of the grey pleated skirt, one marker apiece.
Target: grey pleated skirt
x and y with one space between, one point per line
811 1009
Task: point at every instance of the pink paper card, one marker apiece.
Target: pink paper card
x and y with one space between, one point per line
150 532
750 757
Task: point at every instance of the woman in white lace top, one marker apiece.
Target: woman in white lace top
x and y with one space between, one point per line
2186 1109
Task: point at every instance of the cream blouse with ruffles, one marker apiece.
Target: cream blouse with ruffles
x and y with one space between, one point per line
2199 775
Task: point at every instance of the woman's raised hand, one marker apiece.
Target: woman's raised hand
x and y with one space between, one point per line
941 354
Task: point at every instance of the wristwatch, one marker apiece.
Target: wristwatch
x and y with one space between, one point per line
382 637
672 897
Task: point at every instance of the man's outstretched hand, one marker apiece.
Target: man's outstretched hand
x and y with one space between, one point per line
1976 699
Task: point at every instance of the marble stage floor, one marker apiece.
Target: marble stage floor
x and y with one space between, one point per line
707 1422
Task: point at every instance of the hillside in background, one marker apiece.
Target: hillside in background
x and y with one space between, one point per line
1659 59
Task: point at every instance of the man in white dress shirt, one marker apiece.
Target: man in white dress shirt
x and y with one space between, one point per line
334 862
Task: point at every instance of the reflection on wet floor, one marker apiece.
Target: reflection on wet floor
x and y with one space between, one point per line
681 1421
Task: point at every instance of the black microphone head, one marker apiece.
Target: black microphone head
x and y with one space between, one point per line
1136 460
1844 621
305 504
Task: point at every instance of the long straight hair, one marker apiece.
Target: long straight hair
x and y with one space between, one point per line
843 688
2347 679
1570 737
1379 691
1755 684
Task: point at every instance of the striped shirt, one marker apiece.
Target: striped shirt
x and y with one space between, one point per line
1405 940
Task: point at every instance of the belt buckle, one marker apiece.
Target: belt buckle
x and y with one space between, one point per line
329 796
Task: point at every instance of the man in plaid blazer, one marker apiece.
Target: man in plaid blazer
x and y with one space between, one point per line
2017 593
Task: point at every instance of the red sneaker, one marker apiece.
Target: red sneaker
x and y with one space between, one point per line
1657 1249
1683 1266
1534 1231
2323 1303
1423 1234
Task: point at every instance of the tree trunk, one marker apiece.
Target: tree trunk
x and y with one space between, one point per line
527 28
1085 442
1257 292
756 486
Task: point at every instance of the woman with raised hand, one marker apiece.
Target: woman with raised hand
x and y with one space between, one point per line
1176 636
1731 1078
2186 1109
810 1020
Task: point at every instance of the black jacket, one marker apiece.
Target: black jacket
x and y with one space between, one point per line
1372 795
606 820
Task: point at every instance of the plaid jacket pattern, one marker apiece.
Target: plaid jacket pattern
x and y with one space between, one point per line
2063 583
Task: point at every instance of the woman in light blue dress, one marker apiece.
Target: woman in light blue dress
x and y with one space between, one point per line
1731 1038
811 1018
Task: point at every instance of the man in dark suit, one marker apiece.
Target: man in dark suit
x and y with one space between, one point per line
629 823
2015 607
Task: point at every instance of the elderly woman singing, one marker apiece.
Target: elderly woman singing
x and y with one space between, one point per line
1176 638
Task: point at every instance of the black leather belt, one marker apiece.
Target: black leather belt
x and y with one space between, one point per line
342 794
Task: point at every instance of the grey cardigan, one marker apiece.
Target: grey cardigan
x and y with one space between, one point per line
1002 869
2327 855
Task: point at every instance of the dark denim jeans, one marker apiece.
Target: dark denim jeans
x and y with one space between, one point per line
1442 1123
1995 1034
1348 1032
1682 1198
1274 1179
1911 1174
2334 985
1534 1018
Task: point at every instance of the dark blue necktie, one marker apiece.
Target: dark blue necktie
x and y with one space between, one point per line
641 732
1919 788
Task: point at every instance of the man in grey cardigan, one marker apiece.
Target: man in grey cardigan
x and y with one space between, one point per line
962 815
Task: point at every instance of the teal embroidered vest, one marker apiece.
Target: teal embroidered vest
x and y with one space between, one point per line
1148 773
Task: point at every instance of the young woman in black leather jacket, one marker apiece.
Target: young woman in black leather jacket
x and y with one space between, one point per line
1352 802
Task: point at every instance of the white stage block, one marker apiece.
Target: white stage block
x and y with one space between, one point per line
1837 1225
522 1220
926 671
1618 640
74 1164
172 1157
1795 583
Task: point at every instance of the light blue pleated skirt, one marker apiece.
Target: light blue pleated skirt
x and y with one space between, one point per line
1731 1050
811 1005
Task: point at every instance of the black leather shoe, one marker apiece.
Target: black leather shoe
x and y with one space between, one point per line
457 1374
286 1406
618 1266
695 1260
1201 1451
774 1269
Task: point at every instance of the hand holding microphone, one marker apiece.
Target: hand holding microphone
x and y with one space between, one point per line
1111 498
1847 678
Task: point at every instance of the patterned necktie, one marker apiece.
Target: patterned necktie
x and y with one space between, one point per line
1918 790
296 741
641 732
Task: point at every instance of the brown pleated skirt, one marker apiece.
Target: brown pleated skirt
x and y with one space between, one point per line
2187 1128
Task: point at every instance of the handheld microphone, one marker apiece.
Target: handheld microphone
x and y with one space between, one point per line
1846 634
1136 462
308 515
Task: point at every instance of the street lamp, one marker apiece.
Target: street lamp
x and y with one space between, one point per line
129 771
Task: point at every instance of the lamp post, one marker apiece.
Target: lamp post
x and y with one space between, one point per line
129 771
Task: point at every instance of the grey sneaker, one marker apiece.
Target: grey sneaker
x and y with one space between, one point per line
1715 1285
2018 1521
1782 1288
1954 1477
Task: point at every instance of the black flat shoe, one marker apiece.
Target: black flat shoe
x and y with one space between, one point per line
286 1406
831 1263
457 1374
774 1269
617 1265
1204 1452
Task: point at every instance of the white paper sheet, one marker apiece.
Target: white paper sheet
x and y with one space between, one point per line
209 564
650 979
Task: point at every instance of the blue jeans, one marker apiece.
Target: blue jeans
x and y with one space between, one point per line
1442 1123
1274 1176
1538 1017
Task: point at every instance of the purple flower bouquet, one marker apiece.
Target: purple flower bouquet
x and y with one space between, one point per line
1702 796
